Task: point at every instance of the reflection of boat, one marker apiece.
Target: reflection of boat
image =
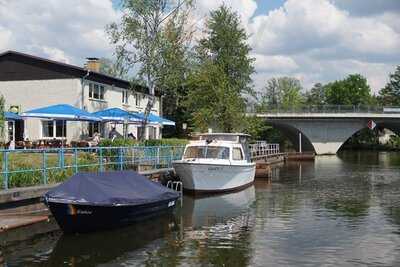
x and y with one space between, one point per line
206 211
216 163
116 247
93 201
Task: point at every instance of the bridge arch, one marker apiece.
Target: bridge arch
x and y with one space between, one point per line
321 136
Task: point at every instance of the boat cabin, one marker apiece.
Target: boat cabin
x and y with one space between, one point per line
219 146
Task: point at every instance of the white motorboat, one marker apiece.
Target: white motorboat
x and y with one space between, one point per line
218 162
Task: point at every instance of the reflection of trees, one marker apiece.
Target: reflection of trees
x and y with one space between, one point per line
227 244
214 230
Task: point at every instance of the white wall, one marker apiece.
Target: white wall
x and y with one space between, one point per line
40 93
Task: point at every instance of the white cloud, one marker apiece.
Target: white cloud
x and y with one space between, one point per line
64 30
326 42
314 40
275 63
5 38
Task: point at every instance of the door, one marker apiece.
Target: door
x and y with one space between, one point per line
11 131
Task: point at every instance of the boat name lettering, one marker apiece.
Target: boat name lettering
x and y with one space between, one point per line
215 168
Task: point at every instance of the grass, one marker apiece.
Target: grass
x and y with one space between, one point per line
27 168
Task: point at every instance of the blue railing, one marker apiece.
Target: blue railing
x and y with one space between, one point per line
29 167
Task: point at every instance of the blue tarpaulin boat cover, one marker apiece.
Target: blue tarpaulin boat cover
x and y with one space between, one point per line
110 189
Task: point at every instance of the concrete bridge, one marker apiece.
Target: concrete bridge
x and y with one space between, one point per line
324 129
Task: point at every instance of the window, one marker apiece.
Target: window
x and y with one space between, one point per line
51 129
209 152
96 91
237 154
61 129
138 99
95 127
125 96
91 90
152 132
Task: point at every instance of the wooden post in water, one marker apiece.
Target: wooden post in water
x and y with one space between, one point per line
300 148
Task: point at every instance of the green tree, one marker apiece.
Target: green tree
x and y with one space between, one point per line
283 92
2 118
221 75
353 90
115 68
226 45
390 94
213 101
316 96
177 63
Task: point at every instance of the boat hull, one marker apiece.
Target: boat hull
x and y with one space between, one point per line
211 178
77 218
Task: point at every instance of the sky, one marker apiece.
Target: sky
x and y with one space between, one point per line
312 40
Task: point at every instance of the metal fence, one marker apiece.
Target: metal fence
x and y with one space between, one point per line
327 109
263 149
29 167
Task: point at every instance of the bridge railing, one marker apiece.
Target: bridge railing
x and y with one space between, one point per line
329 109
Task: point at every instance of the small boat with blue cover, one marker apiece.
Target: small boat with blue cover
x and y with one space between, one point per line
95 201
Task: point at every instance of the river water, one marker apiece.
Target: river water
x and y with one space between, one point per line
337 211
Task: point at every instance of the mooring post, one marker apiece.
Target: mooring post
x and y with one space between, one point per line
300 148
5 169
44 167
101 166
76 160
120 161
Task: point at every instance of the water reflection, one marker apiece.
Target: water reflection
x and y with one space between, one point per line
336 211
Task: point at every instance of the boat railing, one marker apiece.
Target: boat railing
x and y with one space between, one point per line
31 167
177 186
263 149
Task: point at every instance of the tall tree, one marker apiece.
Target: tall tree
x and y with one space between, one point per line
316 96
390 94
226 45
221 75
177 61
138 38
213 101
283 92
353 90
115 68
2 117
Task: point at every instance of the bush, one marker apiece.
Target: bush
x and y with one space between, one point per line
119 142
166 142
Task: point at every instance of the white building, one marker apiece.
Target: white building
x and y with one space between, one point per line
28 82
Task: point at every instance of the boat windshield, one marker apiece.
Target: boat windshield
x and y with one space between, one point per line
207 152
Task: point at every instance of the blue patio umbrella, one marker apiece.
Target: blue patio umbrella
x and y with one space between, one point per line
61 112
117 115
11 116
154 119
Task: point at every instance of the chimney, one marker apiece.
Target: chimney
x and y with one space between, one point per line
92 64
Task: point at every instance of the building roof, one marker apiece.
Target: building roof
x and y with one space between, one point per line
62 69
